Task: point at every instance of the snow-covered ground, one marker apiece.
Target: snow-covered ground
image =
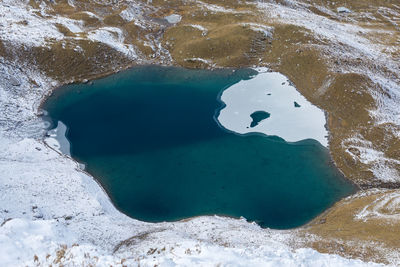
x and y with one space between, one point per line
51 212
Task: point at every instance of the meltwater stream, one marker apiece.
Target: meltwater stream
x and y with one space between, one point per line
153 138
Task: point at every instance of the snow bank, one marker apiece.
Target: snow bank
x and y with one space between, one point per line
21 240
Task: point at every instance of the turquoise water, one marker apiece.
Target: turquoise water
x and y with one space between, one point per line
150 137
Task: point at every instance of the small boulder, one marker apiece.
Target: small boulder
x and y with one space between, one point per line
14 81
343 9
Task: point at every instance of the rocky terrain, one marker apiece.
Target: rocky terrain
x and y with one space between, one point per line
342 56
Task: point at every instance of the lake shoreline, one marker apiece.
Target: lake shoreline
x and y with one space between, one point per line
82 89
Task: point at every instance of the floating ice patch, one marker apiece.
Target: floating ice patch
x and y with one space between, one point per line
174 18
58 140
270 93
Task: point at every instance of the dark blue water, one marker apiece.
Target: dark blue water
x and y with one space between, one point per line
258 116
150 137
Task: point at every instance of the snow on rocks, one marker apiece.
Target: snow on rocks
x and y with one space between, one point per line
131 13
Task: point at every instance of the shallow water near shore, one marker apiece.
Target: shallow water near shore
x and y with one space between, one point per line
151 137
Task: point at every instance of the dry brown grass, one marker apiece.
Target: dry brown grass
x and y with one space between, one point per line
89 21
228 46
339 231
64 63
226 43
64 30
136 239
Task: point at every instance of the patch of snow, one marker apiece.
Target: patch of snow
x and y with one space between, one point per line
18 24
271 92
131 13
174 18
216 8
74 26
266 30
202 60
114 38
71 3
200 28
385 206
381 166
91 14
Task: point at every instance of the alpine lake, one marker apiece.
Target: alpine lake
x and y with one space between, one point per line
151 137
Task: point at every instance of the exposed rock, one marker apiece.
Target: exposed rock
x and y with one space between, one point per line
343 9
14 81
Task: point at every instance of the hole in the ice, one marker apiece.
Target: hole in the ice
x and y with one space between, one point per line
258 116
